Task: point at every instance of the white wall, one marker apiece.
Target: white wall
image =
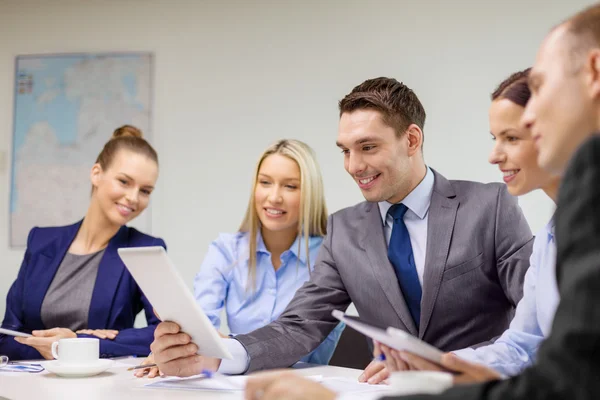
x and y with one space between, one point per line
232 76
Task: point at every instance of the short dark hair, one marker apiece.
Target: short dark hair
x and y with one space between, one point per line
514 88
399 105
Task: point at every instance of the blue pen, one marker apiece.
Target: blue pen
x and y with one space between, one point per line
222 378
380 358
13 367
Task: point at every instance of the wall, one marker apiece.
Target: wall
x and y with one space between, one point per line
232 76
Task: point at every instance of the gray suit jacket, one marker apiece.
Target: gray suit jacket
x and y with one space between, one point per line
478 248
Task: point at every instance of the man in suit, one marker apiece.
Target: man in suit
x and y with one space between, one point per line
562 114
443 260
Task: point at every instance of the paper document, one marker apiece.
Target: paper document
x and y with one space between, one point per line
347 385
200 382
238 382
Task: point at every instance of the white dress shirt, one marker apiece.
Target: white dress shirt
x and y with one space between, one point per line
415 219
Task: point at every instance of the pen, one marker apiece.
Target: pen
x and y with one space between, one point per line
379 358
141 366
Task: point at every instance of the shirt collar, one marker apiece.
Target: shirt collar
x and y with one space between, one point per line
550 227
260 244
298 248
417 201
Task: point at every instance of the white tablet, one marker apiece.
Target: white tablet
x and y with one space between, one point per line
166 290
13 333
392 337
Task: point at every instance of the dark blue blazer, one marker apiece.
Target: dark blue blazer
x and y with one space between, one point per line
116 299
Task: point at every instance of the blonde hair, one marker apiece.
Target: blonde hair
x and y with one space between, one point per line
312 219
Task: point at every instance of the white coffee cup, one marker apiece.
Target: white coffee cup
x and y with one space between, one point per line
76 351
419 382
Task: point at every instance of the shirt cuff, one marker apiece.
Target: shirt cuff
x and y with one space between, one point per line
467 354
240 361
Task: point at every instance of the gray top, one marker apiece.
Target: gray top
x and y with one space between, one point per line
67 302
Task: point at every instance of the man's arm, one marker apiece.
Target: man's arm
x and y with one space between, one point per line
299 330
307 320
516 348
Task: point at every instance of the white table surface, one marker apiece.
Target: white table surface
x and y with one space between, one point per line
117 383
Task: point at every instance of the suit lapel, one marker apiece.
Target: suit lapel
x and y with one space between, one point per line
440 225
110 272
374 243
52 255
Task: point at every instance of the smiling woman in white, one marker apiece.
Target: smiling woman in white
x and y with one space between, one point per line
515 154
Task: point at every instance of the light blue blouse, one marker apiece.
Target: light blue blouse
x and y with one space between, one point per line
223 282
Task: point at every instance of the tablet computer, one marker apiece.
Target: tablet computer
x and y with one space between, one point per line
392 337
166 290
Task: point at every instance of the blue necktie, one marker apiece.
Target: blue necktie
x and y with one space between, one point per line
401 256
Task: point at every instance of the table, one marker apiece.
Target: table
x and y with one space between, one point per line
117 383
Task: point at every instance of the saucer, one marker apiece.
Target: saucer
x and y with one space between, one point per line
78 370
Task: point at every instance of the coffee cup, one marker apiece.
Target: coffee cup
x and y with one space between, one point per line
76 351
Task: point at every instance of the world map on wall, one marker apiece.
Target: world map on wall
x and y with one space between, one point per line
66 108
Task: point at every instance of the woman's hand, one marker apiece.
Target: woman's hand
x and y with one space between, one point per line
100 333
42 340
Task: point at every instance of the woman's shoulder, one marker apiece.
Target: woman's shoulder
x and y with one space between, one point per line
224 250
137 238
40 236
231 242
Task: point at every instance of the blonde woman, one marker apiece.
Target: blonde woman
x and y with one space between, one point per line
254 273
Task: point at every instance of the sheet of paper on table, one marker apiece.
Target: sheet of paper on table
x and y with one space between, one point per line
237 383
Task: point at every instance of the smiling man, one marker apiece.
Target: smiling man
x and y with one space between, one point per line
443 260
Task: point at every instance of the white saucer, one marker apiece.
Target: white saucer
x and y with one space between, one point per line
78 370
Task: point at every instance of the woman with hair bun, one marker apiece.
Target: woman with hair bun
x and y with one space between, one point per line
72 283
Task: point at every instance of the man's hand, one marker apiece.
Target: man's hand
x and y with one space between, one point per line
463 371
175 354
100 333
286 385
42 340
